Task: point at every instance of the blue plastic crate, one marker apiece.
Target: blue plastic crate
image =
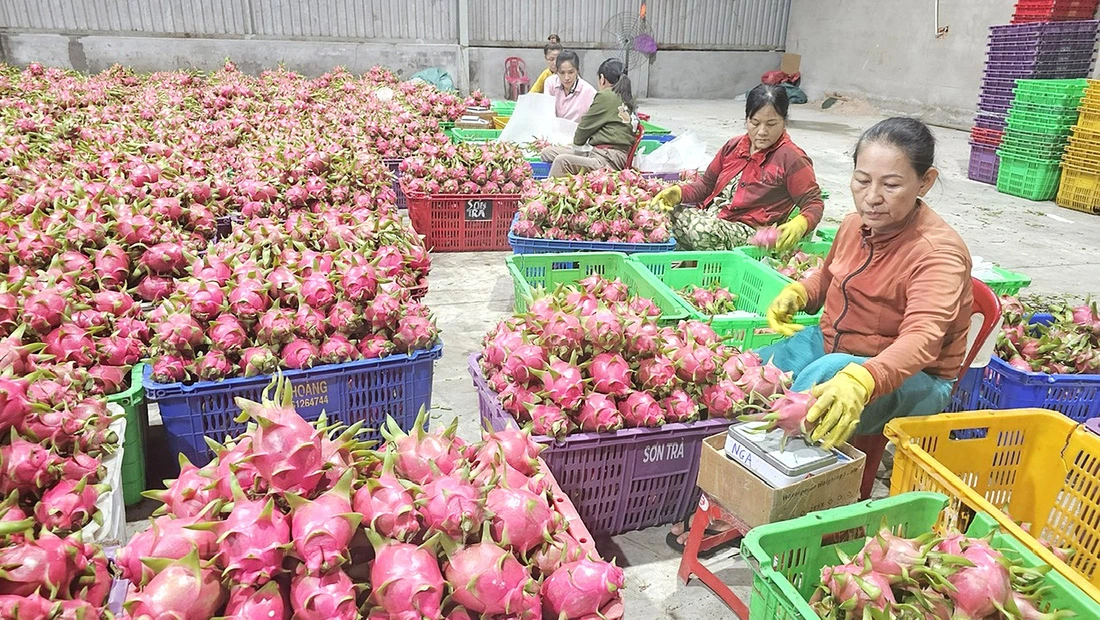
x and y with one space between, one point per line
1004 387
540 169
662 138
364 390
528 245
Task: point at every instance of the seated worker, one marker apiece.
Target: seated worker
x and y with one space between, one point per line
755 180
572 95
605 133
896 297
550 52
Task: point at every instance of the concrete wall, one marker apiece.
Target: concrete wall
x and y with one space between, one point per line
94 53
887 52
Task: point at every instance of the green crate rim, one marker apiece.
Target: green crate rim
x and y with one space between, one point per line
133 465
475 135
774 597
672 311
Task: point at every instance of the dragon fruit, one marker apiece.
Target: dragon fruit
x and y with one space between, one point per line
521 520
27 466
763 382
46 564
287 450
550 420
254 361
640 409
246 602
322 528
581 589
522 360
298 354
386 505
181 589
324 596
563 383
788 413
489 580
275 327
516 446
69 505
337 350
405 578
561 550
722 399
414 333
252 540
170 538
610 374
420 455
600 413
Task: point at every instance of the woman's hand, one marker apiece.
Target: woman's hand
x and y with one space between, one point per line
840 401
792 232
667 198
785 305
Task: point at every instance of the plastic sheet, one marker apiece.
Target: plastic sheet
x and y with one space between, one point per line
534 118
684 152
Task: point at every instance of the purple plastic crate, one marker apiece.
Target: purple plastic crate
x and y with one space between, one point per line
1093 425
995 103
990 120
984 163
622 481
394 165
1084 25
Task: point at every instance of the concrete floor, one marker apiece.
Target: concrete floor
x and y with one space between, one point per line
470 292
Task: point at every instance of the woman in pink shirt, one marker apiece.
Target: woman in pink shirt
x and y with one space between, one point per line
572 95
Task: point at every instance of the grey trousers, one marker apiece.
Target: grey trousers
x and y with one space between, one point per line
565 163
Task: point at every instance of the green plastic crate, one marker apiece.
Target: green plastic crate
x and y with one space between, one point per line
475 135
655 130
1023 176
133 403
532 271
754 283
503 108
1006 282
787 557
825 233
648 146
1041 123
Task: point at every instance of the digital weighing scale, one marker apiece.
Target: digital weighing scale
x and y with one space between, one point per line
760 453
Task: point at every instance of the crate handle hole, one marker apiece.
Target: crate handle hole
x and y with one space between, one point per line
684 264
572 265
966 434
843 536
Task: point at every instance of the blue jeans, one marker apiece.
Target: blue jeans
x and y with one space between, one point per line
804 355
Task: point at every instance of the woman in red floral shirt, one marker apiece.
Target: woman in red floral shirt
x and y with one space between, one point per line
755 180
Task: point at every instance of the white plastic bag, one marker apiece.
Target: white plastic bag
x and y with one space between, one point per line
684 152
534 118
111 504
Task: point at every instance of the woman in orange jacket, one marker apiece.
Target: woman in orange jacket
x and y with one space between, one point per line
895 292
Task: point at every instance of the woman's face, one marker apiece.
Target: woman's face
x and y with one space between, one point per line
567 73
552 59
765 128
886 187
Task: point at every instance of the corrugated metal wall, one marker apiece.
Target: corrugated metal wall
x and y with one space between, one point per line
676 24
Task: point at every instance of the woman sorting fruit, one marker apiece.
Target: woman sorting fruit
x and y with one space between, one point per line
550 52
896 296
896 293
572 95
605 133
756 180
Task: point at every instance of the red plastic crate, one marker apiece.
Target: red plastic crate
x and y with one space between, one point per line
1028 11
463 222
621 481
981 135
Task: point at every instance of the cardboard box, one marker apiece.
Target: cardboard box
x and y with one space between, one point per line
741 492
790 63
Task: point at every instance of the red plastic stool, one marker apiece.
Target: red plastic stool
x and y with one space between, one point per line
708 512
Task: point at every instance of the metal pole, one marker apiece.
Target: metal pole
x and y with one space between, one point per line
464 45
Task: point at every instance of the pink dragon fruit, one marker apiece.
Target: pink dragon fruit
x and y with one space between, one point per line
374 346
345 318
287 450
322 528
740 363
70 343
359 282
788 412
857 589
386 505
317 292
680 407
227 334
489 580
213 366
562 333
563 549
610 374
640 409
179 332
14 404
170 538
44 310
26 466
763 382
722 399
516 446
452 505
521 519
246 603
169 369
599 413
115 350
322 596
522 360
413 333
300 354
69 505
252 539
275 327
181 589
656 374
603 330
82 465
406 578
563 383
422 455
258 361
581 589
189 494
695 363
382 312
337 350
701 333
46 564
550 420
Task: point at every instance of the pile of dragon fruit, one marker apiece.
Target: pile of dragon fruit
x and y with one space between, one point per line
303 519
949 577
710 300
314 289
1068 345
591 357
466 168
601 205
796 265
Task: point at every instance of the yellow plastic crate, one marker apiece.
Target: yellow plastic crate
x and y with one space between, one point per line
500 121
1039 466
1090 116
1079 188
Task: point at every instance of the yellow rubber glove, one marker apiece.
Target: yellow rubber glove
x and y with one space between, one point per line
791 233
667 198
785 305
840 401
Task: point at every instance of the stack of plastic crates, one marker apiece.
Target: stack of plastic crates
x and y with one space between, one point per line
1080 186
1039 123
1053 10
985 137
